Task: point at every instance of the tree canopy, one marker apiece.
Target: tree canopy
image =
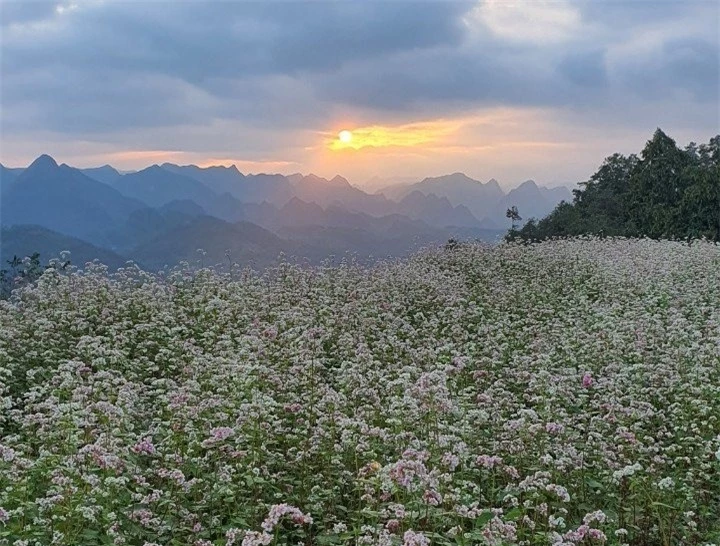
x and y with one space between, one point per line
665 192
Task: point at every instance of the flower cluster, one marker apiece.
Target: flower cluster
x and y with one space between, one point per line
556 393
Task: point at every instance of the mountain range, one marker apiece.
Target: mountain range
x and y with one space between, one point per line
163 214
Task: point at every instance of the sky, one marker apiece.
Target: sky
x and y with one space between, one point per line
500 89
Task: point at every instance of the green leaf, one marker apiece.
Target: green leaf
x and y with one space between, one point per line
513 514
483 518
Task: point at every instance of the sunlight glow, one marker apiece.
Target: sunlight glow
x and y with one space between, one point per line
383 136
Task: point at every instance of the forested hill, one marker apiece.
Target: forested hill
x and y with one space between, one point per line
665 192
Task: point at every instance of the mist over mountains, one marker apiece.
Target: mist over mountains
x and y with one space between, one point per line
165 213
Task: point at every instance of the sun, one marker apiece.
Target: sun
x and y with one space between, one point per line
345 136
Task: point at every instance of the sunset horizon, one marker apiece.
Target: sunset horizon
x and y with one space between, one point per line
494 89
146 159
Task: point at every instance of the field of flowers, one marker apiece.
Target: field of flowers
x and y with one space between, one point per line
561 393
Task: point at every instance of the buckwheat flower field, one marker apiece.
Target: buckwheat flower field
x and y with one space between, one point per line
563 393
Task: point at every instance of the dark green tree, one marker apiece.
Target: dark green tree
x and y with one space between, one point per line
24 271
665 192
657 186
514 216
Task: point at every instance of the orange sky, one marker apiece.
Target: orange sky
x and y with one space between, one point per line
541 89
510 144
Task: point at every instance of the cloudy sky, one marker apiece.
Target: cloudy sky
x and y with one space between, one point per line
494 88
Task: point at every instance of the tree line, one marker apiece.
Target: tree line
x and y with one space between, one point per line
23 271
665 192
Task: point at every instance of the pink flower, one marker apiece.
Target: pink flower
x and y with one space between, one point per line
232 535
411 538
277 511
217 435
433 498
293 408
553 428
252 538
451 460
488 461
221 433
587 380
144 447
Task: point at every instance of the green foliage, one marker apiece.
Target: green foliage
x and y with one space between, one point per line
514 216
452 244
666 192
22 272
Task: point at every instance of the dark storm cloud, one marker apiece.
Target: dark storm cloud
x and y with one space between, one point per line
23 12
134 63
586 69
621 14
90 67
196 41
481 76
688 64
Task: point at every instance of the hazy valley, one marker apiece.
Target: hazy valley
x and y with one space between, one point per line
166 213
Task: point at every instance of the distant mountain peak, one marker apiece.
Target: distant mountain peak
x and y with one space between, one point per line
297 203
463 209
415 195
462 176
105 174
43 162
456 178
295 178
232 168
339 180
315 178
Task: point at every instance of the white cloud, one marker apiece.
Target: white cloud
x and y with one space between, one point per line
527 21
65 8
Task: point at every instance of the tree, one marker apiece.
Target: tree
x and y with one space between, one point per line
514 216
602 201
664 192
24 271
452 244
657 185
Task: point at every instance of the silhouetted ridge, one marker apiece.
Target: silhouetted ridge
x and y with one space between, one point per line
42 163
